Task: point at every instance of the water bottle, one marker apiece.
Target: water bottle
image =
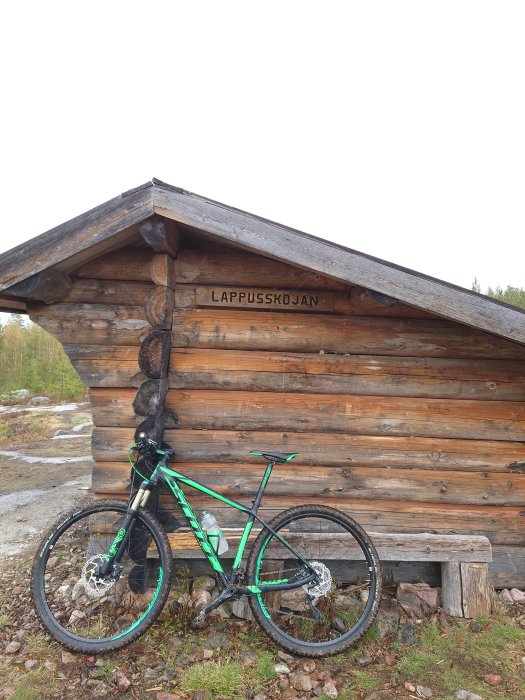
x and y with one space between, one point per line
214 532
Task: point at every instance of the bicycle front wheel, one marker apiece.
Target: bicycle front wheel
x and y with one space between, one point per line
91 614
332 612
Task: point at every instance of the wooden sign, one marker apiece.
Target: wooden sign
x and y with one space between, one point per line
260 298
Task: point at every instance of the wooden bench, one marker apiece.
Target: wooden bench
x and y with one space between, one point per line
464 561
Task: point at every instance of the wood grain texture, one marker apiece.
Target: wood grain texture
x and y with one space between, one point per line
342 264
390 547
106 365
476 593
260 330
352 301
128 264
335 483
48 286
95 229
113 292
196 368
331 449
154 355
92 324
228 266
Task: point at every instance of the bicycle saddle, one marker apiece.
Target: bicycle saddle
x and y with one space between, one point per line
275 456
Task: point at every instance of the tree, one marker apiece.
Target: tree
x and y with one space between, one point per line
30 358
510 295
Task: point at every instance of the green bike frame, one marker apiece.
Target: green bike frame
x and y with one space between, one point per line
173 479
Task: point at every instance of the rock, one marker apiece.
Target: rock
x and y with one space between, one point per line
363 659
505 597
309 666
330 690
241 608
387 620
68 658
40 401
492 679
390 659
405 634
288 659
30 663
423 692
218 640
200 598
467 695
294 600
283 684
408 686
289 693
259 696
50 666
517 595
423 599
13 648
167 696
122 681
301 681
207 583
202 695
281 668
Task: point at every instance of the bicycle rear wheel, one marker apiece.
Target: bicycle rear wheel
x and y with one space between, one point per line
335 610
93 615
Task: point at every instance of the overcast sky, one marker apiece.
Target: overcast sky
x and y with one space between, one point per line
394 128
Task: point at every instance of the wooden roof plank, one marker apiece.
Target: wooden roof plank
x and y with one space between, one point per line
327 258
88 230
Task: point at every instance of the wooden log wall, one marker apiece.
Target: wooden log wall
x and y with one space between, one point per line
410 422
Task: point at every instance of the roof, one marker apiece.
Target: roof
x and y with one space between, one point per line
114 224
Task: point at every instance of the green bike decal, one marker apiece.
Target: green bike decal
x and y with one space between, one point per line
114 547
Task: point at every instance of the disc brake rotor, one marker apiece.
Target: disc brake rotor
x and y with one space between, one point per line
324 582
94 587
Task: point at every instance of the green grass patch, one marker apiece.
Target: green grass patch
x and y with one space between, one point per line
224 680
265 663
34 685
457 657
365 681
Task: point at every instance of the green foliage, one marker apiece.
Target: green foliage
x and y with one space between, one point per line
510 295
32 359
226 680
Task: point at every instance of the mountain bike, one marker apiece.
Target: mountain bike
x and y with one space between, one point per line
102 574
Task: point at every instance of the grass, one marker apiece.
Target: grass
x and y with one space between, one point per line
224 680
458 657
265 664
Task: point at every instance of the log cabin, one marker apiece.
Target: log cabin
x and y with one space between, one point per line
222 332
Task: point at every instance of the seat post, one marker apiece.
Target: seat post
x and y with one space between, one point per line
264 481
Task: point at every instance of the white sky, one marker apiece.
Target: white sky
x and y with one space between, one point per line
395 128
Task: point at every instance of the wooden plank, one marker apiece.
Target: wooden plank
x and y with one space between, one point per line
106 365
334 483
475 589
196 368
161 271
92 324
358 415
107 223
119 293
48 286
228 266
451 589
326 258
129 264
261 330
330 449
354 301
390 547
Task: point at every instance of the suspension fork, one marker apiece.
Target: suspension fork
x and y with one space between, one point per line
120 542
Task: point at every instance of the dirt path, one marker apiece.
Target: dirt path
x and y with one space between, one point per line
45 463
